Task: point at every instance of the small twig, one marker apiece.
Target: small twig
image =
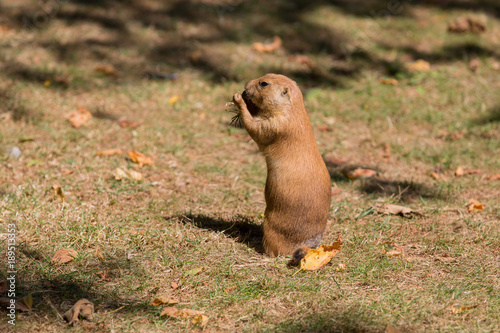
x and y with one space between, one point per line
54 308
115 310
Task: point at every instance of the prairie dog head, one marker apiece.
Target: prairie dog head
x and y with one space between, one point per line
271 96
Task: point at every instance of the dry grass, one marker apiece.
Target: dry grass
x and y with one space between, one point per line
194 219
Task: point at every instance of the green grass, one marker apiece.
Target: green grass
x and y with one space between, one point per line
195 217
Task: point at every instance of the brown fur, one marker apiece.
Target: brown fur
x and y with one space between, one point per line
297 190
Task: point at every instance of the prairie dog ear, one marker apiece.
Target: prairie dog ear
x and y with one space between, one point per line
284 91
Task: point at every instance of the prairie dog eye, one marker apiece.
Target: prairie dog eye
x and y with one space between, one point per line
263 84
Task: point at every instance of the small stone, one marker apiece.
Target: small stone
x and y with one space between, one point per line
14 152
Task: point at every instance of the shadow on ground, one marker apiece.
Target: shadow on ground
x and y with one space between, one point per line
65 289
354 320
401 190
241 228
493 116
194 34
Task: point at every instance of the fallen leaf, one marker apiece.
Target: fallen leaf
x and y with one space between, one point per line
391 209
107 70
324 128
58 192
64 255
120 174
193 272
201 320
172 100
435 175
455 310
137 176
197 316
418 66
473 205
459 172
393 253
391 329
389 81
303 60
465 24
140 158
268 48
443 134
68 172
164 300
109 152
79 116
128 174
83 308
24 304
336 161
124 123
229 289
365 173
174 285
494 177
317 258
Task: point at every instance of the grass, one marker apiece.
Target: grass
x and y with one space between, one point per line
194 220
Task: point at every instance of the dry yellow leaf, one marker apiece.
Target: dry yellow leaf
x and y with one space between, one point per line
268 48
64 255
79 116
459 172
120 174
391 209
393 253
129 174
494 177
357 173
455 310
140 158
107 69
58 192
124 123
473 205
135 175
389 81
197 316
317 258
109 152
164 300
435 175
418 66
201 320
172 100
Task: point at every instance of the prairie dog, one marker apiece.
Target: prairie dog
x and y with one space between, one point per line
298 188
